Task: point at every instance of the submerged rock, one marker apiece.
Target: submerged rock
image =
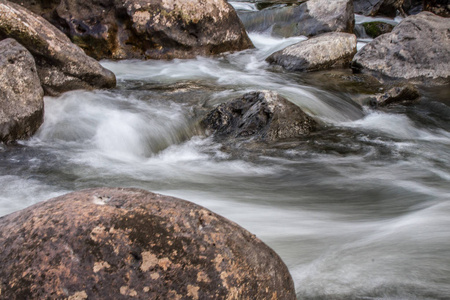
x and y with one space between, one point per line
113 243
311 18
147 29
21 95
61 65
404 94
264 116
417 49
321 52
378 7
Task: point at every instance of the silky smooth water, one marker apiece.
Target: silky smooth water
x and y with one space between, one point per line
358 210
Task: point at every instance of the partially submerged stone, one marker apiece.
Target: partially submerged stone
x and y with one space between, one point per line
310 18
262 116
62 66
417 49
147 29
375 29
112 243
321 52
403 94
21 95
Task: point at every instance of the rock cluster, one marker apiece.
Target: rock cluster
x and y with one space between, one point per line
146 29
113 243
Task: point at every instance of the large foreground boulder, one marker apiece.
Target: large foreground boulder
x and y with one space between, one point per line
143 29
62 66
261 116
310 18
321 52
21 95
417 49
112 243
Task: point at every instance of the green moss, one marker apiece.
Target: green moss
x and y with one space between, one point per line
374 29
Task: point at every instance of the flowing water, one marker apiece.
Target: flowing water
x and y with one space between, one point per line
358 210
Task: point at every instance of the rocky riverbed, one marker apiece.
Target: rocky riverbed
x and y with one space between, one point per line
329 144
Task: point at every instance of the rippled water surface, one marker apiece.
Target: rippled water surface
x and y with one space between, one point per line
358 210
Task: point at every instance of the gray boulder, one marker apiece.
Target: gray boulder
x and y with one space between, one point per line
417 49
21 95
320 52
62 66
146 29
113 243
261 116
378 7
310 18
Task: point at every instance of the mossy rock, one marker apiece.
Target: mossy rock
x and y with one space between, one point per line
374 29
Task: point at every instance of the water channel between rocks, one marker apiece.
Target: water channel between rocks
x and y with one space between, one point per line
359 210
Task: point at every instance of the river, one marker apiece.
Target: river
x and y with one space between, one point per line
358 210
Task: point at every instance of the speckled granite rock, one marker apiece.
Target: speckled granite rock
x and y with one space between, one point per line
112 243
318 53
21 95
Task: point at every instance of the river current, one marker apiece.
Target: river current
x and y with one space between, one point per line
358 210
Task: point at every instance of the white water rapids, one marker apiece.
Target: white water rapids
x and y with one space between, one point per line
359 210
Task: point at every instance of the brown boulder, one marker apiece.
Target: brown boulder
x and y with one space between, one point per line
21 95
62 66
113 243
146 29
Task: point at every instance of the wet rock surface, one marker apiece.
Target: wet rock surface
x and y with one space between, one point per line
403 94
378 7
156 29
261 116
321 52
21 95
112 243
310 18
417 50
61 65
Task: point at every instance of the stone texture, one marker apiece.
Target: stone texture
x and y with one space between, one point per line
378 7
21 95
146 29
112 243
310 18
403 94
438 7
375 29
321 52
61 65
418 49
262 116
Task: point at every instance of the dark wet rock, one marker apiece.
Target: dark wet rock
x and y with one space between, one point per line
417 50
310 18
62 66
143 29
378 7
21 94
113 243
321 52
404 94
375 29
437 7
262 116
